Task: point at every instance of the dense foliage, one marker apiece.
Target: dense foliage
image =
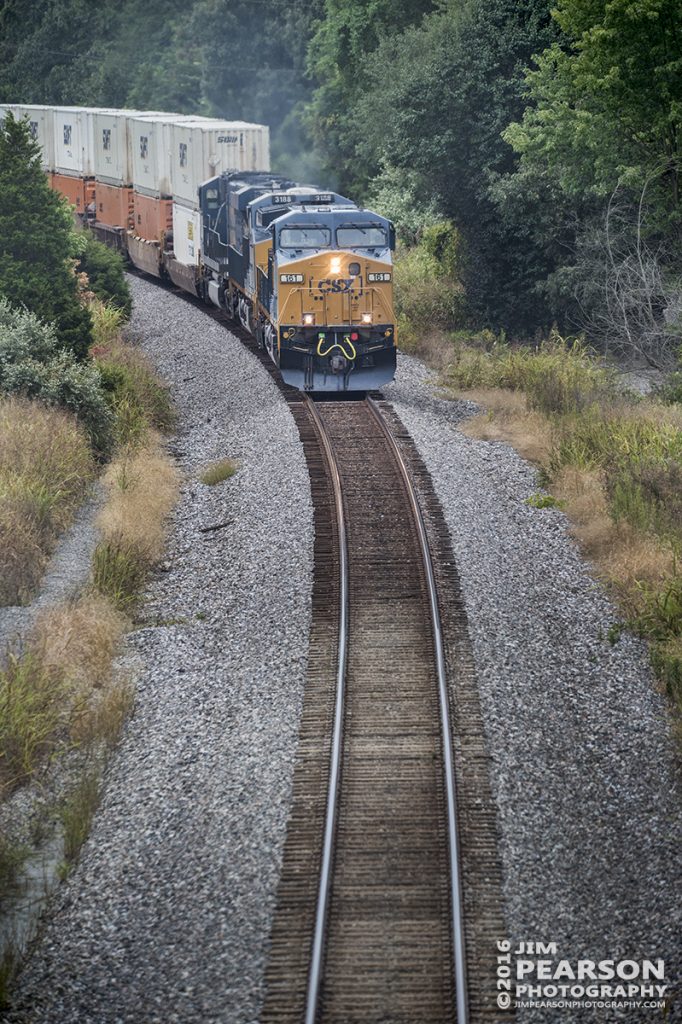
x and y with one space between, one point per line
33 364
36 229
548 137
105 272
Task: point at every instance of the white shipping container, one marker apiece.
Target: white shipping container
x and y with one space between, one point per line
40 120
202 148
151 142
113 157
113 144
186 235
74 139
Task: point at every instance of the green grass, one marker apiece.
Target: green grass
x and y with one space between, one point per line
219 471
12 858
543 501
137 396
32 710
119 570
76 816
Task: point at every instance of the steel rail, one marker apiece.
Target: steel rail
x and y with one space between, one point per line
324 887
457 915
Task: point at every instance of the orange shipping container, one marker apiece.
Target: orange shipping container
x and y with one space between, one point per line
114 205
153 218
79 191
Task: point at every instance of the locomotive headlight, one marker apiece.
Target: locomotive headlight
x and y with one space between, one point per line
309 319
366 318
335 267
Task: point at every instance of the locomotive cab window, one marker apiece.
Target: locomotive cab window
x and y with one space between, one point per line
310 237
361 236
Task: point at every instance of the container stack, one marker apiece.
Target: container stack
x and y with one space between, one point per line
74 155
137 173
200 148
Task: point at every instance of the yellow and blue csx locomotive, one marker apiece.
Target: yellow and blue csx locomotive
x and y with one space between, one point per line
308 273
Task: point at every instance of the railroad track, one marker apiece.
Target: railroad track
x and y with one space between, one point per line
370 924
390 898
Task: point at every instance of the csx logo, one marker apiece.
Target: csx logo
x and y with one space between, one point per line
339 284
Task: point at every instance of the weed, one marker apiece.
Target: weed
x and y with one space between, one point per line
31 714
77 814
119 570
667 661
615 632
12 857
78 639
612 460
218 471
543 501
136 394
45 463
9 961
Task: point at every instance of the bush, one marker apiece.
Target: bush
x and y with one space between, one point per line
33 364
426 298
671 390
557 378
106 277
134 392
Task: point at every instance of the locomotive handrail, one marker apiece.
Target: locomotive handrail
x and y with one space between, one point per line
457 917
324 887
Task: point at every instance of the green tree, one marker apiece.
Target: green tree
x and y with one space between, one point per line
455 83
606 106
347 62
36 230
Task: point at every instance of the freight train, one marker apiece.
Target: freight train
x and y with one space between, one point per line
307 272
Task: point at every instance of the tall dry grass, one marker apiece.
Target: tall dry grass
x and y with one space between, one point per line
45 465
142 487
612 459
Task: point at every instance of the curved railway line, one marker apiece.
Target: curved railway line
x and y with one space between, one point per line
389 905
391 833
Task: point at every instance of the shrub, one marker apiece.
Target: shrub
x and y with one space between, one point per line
106 277
559 377
671 390
135 394
426 299
33 364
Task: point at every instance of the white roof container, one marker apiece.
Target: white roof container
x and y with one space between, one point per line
112 146
151 142
74 140
186 235
201 148
40 121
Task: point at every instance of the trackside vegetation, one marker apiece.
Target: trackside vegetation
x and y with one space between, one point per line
79 405
610 458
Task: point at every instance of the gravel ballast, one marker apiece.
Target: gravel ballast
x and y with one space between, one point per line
585 774
166 918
